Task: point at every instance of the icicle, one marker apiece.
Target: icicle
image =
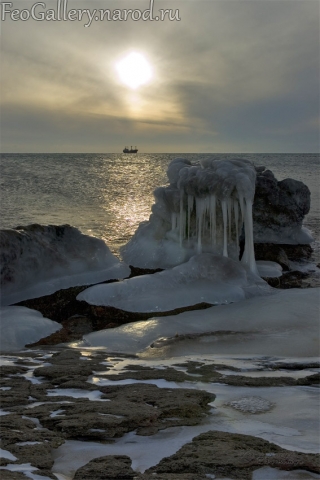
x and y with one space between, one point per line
241 201
182 218
213 219
225 220
245 258
174 220
229 205
200 216
248 254
236 219
190 208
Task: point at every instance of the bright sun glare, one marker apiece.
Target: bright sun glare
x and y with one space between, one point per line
134 70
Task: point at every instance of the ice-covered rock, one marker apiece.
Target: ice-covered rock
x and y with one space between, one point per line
209 206
269 269
286 323
38 260
20 326
205 277
204 209
279 209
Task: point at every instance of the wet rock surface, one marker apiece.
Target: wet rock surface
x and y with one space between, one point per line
232 455
50 396
111 467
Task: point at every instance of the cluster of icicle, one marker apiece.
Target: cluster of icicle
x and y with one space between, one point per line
215 202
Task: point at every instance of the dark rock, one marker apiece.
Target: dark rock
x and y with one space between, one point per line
279 209
8 475
233 455
272 253
298 252
111 467
294 279
137 272
78 318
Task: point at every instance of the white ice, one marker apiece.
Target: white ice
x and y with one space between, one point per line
145 451
204 209
268 473
77 393
40 262
293 429
26 469
20 326
22 444
7 454
268 269
284 324
285 235
3 412
206 278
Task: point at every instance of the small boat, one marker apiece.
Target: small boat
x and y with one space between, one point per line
132 150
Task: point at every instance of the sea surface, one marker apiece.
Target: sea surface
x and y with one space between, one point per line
108 195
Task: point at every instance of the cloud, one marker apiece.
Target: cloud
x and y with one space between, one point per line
227 72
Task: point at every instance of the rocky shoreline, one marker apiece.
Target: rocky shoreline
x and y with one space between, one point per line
49 397
52 395
79 318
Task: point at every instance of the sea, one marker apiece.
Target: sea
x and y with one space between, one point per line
107 195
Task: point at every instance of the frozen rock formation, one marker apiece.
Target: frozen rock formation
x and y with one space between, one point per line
286 323
38 260
209 206
20 326
204 278
204 209
279 209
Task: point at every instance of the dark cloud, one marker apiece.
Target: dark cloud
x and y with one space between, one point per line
231 75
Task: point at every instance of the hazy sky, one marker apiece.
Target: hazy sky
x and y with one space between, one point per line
230 76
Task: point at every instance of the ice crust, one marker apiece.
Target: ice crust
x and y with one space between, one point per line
269 269
291 235
39 260
286 323
205 277
20 326
204 209
292 428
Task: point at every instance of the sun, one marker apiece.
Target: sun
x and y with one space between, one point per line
134 70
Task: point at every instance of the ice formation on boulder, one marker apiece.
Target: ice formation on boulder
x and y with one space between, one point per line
279 210
205 277
203 209
39 260
20 326
283 324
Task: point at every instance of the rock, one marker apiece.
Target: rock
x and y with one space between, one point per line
137 272
8 475
78 318
279 209
143 408
272 253
121 409
294 279
111 467
234 456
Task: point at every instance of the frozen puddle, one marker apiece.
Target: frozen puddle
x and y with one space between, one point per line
144 451
268 473
77 393
26 469
259 411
